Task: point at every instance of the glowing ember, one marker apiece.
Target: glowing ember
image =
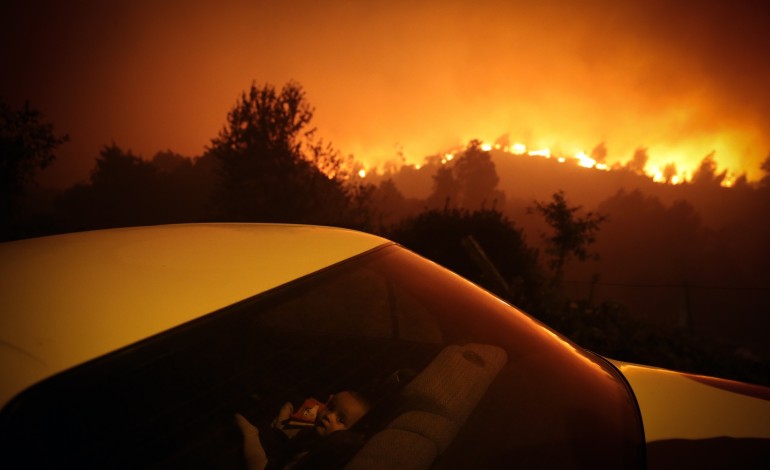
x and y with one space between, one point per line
540 153
585 161
729 181
668 173
519 149
657 175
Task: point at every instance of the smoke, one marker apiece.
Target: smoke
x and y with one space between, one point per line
682 79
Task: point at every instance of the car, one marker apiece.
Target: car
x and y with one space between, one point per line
136 347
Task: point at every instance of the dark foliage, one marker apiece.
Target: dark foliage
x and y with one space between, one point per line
611 331
125 190
442 236
271 166
27 145
571 234
266 165
468 181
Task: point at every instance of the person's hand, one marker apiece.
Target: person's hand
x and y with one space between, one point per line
253 452
280 421
283 414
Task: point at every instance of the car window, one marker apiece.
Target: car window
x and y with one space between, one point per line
458 379
352 304
414 319
355 303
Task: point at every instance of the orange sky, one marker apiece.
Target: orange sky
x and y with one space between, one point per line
410 75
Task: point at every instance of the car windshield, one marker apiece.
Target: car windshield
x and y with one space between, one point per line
460 379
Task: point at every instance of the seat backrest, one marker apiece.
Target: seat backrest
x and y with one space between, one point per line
435 405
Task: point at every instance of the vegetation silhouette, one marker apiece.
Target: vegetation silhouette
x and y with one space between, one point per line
441 235
126 190
571 235
469 180
267 165
272 167
27 145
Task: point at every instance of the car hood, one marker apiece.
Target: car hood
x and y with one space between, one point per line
676 405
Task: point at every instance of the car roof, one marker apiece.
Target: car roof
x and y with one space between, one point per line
70 298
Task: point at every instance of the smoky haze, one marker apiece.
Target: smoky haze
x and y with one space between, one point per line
638 84
682 79
690 256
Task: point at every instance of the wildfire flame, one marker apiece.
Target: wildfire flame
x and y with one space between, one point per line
668 174
540 153
581 159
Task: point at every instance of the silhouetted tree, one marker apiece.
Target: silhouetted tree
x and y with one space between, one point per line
169 162
446 189
123 191
27 145
571 235
765 166
649 243
185 186
599 153
706 174
638 161
439 235
669 171
741 182
469 181
126 190
475 172
389 204
272 167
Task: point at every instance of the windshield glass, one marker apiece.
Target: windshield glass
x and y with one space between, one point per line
451 376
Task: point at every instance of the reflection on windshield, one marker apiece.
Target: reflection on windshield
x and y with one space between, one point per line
445 367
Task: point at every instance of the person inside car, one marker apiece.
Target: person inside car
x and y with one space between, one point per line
328 443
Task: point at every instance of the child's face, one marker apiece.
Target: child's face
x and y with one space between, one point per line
342 412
